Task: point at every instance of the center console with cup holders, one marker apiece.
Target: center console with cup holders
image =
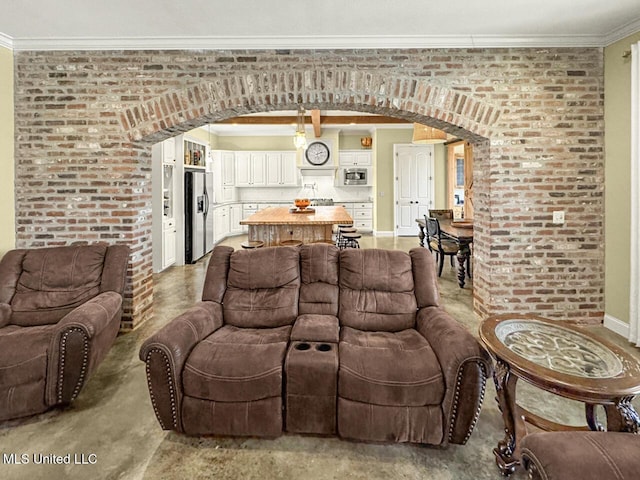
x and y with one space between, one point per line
311 371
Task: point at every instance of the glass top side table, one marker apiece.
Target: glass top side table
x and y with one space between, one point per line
566 360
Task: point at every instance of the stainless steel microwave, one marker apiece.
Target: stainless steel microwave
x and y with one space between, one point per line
355 176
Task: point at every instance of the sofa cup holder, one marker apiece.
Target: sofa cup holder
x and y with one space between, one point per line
320 347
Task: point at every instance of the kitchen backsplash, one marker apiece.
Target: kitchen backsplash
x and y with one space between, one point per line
324 189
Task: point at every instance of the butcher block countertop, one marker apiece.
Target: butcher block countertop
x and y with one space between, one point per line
282 216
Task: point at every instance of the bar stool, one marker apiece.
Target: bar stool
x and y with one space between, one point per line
290 243
350 240
250 244
337 230
343 225
342 229
340 226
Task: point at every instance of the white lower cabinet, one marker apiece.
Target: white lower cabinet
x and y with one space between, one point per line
168 243
248 209
363 225
226 218
235 215
220 222
362 214
226 221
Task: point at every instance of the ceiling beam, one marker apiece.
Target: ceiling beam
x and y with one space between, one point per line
315 121
328 120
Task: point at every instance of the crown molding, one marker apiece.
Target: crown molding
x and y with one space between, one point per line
622 32
319 42
306 42
6 41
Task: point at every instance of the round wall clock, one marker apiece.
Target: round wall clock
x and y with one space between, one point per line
317 153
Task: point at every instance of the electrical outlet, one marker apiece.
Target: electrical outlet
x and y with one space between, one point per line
558 217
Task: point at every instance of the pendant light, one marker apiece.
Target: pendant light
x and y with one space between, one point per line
300 137
423 134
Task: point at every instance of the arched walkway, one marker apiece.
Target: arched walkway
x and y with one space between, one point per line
413 99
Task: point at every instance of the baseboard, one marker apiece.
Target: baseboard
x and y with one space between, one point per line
382 233
616 325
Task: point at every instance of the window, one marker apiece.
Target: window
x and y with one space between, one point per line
460 176
460 172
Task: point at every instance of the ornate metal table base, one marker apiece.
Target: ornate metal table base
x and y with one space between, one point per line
514 428
621 416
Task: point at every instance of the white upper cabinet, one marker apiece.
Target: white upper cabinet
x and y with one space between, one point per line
355 158
224 172
228 172
289 169
250 169
243 169
169 150
281 169
258 170
273 168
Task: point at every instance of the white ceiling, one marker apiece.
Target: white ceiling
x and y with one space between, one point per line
224 24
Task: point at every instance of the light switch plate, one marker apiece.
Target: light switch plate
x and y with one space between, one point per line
558 217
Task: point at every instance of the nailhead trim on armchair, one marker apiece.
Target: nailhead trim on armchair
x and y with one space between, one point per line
172 394
454 410
83 367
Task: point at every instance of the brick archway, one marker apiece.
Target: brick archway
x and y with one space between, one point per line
374 92
404 97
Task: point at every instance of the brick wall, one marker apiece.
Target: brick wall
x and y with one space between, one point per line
85 122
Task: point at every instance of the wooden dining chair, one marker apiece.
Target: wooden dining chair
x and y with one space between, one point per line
442 248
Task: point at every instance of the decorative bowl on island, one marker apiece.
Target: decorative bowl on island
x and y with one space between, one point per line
302 203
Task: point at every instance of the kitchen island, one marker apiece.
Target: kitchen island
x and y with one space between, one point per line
274 225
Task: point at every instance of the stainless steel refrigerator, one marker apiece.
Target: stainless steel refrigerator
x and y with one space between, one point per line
198 232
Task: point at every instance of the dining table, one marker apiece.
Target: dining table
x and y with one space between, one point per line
461 232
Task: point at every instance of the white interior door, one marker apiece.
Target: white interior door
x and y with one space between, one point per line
413 168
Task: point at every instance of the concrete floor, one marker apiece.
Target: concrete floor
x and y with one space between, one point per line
113 418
